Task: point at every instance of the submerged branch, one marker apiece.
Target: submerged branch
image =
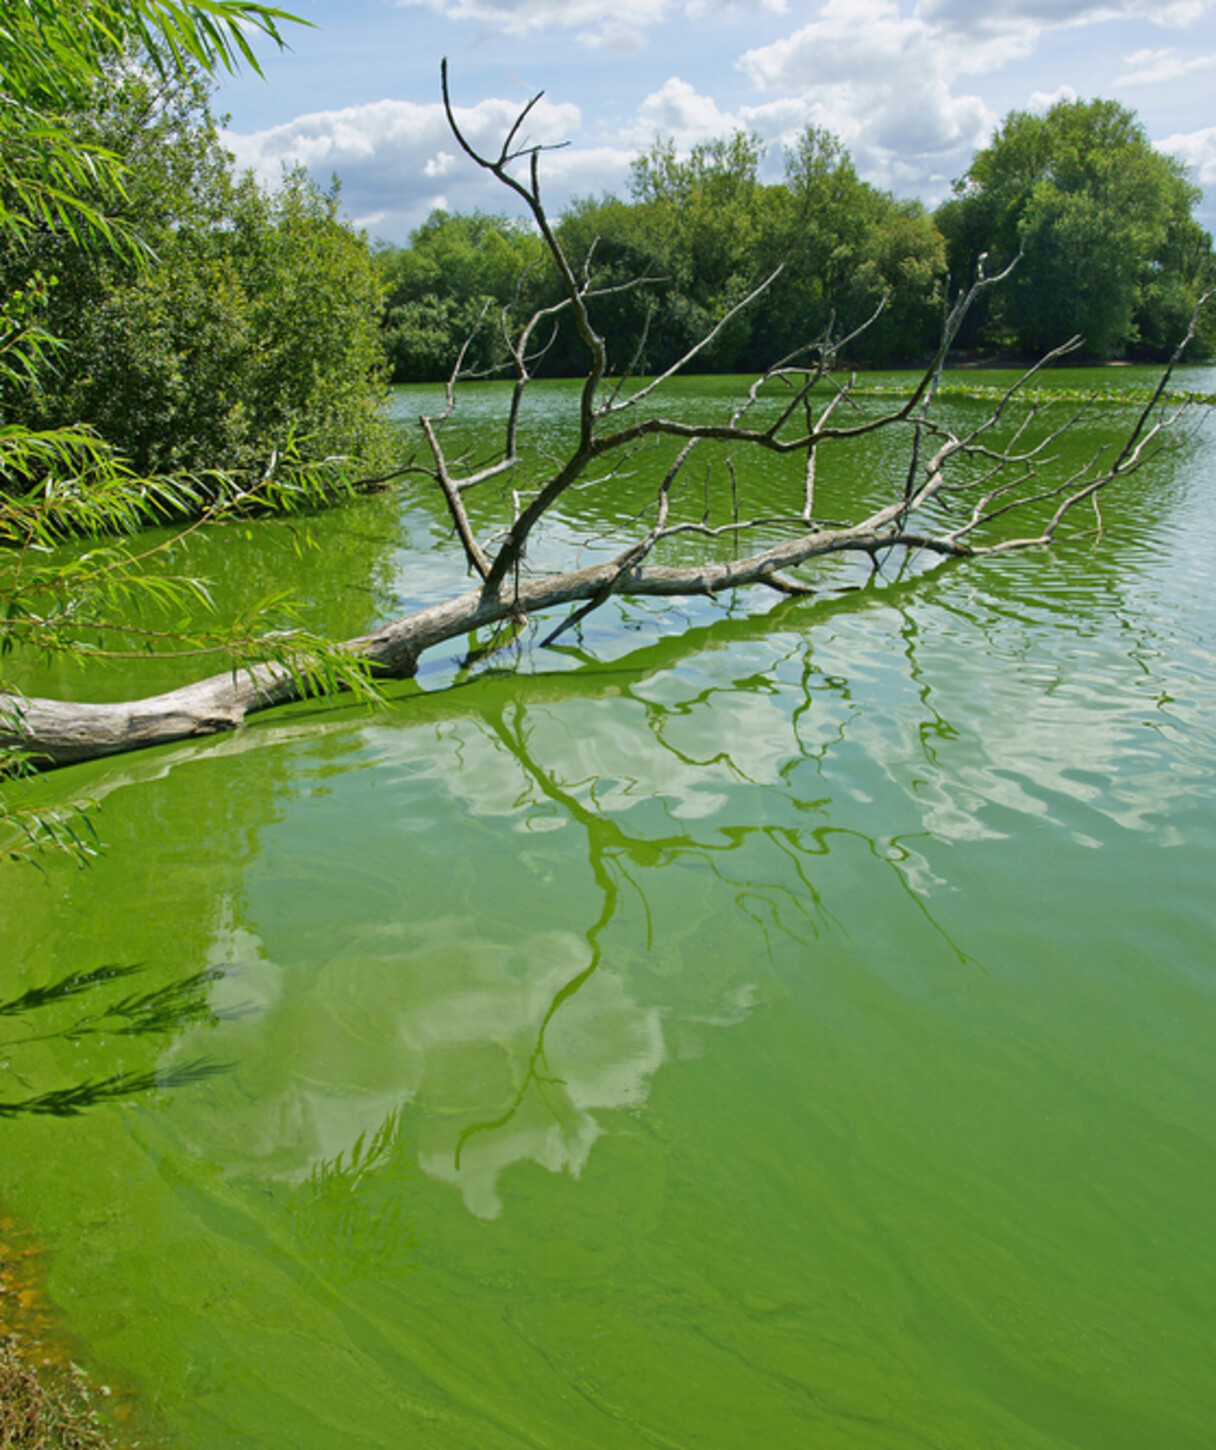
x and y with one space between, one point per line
939 505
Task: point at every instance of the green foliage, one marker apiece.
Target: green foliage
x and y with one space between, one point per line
1111 251
902 258
708 210
846 247
51 56
1104 222
700 234
709 233
53 52
708 218
653 321
253 318
196 320
451 284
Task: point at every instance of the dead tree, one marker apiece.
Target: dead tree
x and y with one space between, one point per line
956 495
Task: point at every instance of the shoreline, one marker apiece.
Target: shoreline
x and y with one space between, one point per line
47 1402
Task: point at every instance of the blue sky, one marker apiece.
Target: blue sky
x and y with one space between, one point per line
913 87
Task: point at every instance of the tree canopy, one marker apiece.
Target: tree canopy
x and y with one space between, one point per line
1103 222
51 58
437 289
697 235
244 317
201 321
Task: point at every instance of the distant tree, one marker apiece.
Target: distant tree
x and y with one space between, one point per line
903 259
456 271
845 246
1182 271
1104 222
705 218
641 309
708 230
698 233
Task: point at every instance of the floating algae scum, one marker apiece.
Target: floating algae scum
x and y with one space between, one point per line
747 1027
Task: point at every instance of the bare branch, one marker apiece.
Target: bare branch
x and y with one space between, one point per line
956 480
698 347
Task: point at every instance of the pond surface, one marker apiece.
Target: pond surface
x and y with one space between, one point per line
753 1027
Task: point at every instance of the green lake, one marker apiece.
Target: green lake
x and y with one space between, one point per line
754 1025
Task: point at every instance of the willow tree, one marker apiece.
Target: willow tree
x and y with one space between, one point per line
994 485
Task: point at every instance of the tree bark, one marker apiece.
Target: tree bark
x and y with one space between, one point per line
60 732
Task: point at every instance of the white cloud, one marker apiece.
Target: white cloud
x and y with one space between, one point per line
1198 150
1042 101
519 17
622 39
440 164
871 39
695 9
391 154
1161 65
584 171
978 17
881 81
678 110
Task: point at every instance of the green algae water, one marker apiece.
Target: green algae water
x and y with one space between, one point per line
750 1027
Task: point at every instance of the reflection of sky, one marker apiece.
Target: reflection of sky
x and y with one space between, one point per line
614 762
446 1022
1006 732
471 1037
980 704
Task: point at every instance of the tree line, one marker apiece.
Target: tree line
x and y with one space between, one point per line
240 321
1103 222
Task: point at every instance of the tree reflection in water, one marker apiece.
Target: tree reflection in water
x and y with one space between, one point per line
793 908
462 1043
348 1215
496 1048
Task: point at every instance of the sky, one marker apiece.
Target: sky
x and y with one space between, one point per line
912 87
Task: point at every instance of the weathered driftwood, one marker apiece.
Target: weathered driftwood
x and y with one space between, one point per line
971 479
58 732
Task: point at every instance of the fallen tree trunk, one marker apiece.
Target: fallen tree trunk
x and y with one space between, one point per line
957 483
60 732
